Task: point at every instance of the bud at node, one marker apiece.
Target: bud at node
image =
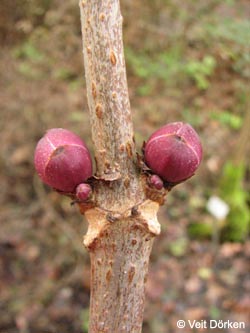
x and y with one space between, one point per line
83 192
156 182
174 152
62 160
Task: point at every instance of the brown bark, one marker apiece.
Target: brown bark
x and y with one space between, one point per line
122 221
119 264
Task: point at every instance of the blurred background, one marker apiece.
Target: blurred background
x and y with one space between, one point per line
186 61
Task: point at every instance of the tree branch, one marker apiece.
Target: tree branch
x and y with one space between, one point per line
108 100
122 221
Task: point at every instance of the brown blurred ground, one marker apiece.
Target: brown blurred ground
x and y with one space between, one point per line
44 269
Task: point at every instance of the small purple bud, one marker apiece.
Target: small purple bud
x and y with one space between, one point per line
174 152
156 182
83 192
62 160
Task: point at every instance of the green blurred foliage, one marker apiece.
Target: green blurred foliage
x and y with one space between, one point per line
28 51
85 320
200 230
178 247
233 39
168 67
163 66
237 223
227 118
200 71
233 192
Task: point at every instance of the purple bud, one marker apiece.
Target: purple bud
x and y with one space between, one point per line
174 152
83 192
156 182
62 160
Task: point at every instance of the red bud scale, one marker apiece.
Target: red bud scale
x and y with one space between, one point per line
174 152
62 160
83 192
156 182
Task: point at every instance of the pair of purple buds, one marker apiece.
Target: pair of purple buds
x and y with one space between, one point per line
62 159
